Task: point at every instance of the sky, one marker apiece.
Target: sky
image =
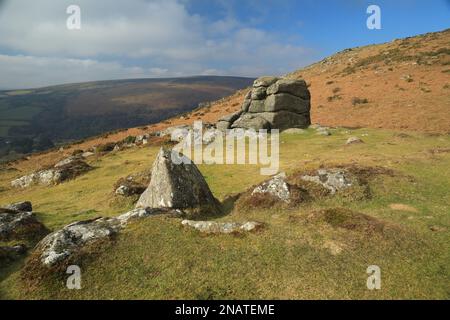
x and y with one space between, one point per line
172 38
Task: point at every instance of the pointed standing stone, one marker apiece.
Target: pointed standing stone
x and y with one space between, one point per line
177 186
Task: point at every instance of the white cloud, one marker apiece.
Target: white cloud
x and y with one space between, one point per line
158 37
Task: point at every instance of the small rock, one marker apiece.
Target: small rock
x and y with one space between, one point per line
211 227
16 225
25 206
354 140
323 132
87 154
438 229
276 187
332 179
294 131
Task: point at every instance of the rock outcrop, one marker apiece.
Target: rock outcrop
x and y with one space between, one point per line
273 103
177 186
64 170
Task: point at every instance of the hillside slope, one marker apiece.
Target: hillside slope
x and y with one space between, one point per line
318 248
406 83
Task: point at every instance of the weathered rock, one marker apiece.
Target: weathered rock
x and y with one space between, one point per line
232 117
259 93
354 140
251 121
53 176
283 120
16 225
297 88
323 132
285 95
332 179
24 206
265 81
62 244
246 105
177 186
67 161
256 106
59 245
277 187
286 102
87 154
211 227
134 184
223 125
294 131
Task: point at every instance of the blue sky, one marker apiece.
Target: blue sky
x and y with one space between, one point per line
165 38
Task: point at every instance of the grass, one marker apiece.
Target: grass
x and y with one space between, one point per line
306 251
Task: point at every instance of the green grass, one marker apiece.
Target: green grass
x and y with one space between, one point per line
292 258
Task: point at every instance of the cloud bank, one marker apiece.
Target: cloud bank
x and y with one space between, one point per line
132 39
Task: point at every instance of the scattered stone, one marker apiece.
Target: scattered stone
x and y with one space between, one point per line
323 132
67 161
354 140
438 229
334 248
134 184
53 176
294 131
16 225
211 227
277 187
24 206
177 186
87 154
332 179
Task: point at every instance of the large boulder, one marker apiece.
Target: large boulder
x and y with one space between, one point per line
251 121
59 246
283 120
286 102
177 186
296 88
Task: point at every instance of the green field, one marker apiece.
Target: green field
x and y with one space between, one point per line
298 255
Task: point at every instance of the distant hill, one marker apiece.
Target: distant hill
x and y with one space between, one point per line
33 120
